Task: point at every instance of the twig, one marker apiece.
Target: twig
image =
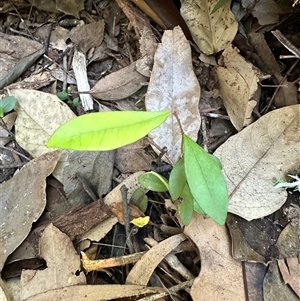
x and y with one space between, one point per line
96 265
12 150
286 43
126 214
171 290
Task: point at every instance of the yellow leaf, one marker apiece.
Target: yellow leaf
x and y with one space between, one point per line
141 221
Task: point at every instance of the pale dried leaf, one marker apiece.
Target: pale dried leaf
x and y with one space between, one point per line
211 32
238 83
221 277
94 292
62 263
39 115
141 272
23 199
266 150
119 84
4 293
7 122
174 86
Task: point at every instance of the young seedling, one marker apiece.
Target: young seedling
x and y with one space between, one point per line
196 180
66 96
7 104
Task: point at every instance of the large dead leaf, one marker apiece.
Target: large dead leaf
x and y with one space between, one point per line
62 263
238 83
266 150
39 115
174 86
221 277
210 31
23 199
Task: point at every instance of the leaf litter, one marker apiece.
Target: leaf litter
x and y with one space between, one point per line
249 164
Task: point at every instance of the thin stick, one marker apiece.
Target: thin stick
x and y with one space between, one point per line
286 43
126 214
96 265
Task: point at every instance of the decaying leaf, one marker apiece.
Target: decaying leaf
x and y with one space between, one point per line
221 277
210 31
62 263
39 115
119 84
238 84
23 199
252 159
174 86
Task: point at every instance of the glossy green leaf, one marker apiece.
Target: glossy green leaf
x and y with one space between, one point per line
105 130
186 207
7 104
206 180
177 180
154 181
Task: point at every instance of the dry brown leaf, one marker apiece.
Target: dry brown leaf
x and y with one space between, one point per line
238 84
39 115
119 84
94 292
266 150
88 36
23 199
290 271
87 165
211 32
274 287
132 158
62 263
69 7
174 86
221 277
141 272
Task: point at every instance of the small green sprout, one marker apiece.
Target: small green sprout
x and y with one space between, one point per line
7 104
65 95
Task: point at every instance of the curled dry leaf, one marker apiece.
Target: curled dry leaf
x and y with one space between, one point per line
39 115
266 150
62 263
23 199
238 84
174 86
210 31
119 84
143 269
221 277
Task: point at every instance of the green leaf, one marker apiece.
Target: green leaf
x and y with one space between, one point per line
139 199
219 5
206 180
7 104
186 207
105 130
177 180
62 95
154 181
